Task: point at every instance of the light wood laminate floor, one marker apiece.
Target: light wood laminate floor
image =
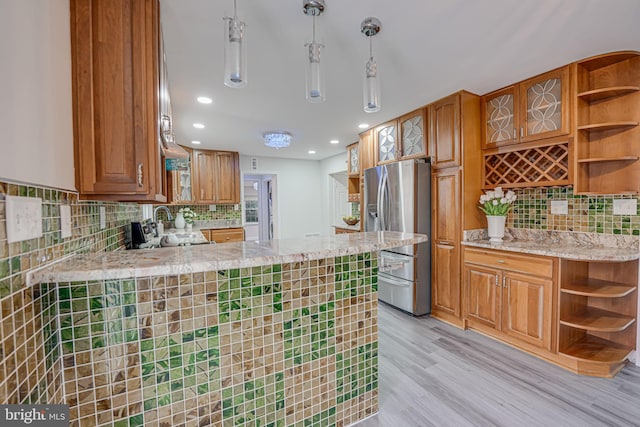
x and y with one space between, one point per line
432 374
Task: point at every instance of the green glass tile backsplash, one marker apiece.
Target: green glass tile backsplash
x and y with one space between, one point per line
589 214
30 363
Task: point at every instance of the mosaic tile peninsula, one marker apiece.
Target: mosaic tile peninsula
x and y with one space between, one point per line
281 333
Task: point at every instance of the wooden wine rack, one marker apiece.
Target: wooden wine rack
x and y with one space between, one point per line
535 166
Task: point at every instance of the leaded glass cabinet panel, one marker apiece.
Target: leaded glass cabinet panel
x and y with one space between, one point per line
413 139
386 142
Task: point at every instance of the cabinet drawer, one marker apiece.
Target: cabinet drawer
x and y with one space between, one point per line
227 235
530 264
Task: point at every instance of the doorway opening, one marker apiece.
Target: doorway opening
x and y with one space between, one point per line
339 206
259 206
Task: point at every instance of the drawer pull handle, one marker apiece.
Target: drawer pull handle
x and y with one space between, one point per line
500 261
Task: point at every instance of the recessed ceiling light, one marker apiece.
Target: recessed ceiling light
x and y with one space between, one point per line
334 141
204 100
312 151
195 142
363 125
198 125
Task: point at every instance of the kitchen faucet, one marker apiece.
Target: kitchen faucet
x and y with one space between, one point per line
164 208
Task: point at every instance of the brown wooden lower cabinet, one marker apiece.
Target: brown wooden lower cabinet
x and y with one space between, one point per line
446 286
580 315
510 296
224 235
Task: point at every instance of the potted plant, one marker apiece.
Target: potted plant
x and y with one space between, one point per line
188 216
496 205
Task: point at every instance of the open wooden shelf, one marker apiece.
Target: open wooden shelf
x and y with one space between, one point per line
606 59
599 127
597 320
610 159
607 92
596 349
598 288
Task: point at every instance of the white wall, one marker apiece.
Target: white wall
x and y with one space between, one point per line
36 140
328 166
298 184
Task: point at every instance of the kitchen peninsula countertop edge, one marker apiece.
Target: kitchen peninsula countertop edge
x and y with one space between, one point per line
202 258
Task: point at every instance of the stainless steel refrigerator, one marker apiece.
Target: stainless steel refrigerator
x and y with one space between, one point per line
397 197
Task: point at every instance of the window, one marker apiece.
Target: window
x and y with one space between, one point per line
251 211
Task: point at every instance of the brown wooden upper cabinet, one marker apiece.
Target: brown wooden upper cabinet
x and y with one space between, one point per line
353 159
444 132
412 128
534 109
367 151
115 79
216 176
385 139
180 180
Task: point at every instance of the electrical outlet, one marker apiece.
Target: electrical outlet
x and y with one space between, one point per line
559 207
103 217
65 221
24 218
212 208
625 207
236 207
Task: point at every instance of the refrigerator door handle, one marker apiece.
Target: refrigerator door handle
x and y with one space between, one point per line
378 221
383 199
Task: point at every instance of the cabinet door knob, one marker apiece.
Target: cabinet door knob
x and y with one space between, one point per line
515 135
522 132
140 175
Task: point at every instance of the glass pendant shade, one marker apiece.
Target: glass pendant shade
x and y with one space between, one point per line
235 60
315 74
371 89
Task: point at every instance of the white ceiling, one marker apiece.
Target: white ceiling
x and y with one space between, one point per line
427 49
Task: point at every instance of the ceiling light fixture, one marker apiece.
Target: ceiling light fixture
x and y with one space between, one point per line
363 125
195 142
198 125
370 27
314 71
277 139
235 59
334 141
204 100
312 151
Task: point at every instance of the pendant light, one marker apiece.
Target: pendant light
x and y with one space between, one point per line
235 59
370 27
314 69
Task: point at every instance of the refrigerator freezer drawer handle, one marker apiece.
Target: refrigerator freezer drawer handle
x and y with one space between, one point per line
399 285
445 242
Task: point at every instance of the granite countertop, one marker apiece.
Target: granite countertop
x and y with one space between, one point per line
348 227
567 245
199 258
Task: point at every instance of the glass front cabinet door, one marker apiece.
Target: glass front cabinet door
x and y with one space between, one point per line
545 105
353 159
531 110
413 139
499 125
386 137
